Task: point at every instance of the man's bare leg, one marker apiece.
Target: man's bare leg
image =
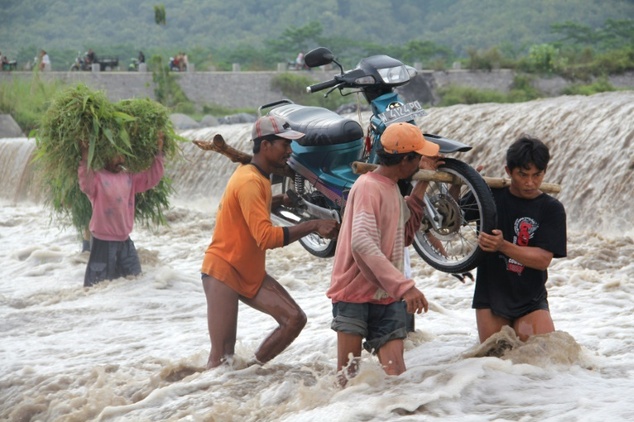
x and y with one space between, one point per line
222 320
274 300
391 357
348 354
536 322
488 323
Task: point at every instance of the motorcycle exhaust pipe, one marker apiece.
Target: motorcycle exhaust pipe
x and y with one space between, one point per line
283 216
301 206
320 212
312 209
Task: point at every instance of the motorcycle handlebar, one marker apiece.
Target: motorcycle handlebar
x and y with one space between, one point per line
321 86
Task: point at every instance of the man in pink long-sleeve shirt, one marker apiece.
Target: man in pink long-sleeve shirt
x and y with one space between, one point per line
371 296
111 192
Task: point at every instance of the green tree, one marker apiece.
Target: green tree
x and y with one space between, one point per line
541 58
575 33
618 33
484 60
159 15
298 38
424 52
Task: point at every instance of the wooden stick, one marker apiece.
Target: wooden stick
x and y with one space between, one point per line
440 176
219 145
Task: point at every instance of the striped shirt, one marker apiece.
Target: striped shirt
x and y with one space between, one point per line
377 225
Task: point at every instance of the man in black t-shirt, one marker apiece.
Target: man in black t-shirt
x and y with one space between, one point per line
511 281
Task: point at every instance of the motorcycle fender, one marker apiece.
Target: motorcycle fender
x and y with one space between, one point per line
447 145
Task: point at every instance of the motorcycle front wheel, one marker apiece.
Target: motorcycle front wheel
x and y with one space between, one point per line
466 208
313 243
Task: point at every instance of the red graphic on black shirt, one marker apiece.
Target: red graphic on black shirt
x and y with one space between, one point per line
524 235
525 228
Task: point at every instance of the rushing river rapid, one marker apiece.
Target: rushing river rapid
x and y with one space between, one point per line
135 349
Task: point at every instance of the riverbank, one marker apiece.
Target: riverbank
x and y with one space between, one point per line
239 90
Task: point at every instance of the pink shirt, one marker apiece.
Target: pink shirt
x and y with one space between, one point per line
377 225
112 198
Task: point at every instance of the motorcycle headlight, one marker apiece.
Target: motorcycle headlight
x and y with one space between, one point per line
394 75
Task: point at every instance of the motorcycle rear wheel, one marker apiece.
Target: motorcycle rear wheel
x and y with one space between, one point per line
467 207
313 243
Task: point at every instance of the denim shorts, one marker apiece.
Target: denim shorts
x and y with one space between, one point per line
378 324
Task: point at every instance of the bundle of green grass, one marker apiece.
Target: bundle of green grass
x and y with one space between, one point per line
80 117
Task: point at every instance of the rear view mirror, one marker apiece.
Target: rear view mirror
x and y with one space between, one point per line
318 57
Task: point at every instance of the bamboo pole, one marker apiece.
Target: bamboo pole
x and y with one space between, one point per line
440 176
220 145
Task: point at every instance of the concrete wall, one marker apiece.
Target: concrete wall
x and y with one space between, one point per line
252 89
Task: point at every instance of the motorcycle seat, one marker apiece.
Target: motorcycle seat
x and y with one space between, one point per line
321 126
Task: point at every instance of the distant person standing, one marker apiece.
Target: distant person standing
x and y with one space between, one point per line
175 63
299 61
141 57
180 61
3 60
90 57
45 61
184 61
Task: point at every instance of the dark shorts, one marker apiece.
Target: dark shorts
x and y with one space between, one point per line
110 259
378 324
511 316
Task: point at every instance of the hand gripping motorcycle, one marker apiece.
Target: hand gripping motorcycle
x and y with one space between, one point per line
458 201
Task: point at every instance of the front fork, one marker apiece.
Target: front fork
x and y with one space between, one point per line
431 214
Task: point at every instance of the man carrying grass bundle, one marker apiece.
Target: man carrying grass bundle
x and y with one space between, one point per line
82 126
112 191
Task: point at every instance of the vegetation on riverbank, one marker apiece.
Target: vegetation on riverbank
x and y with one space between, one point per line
580 54
535 45
27 100
259 34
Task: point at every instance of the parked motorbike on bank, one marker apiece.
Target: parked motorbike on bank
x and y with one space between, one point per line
133 66
80 63
458 206
104 62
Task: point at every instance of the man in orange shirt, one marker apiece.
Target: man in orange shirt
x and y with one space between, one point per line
234 265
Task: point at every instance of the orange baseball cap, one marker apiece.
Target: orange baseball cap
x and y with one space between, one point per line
402 137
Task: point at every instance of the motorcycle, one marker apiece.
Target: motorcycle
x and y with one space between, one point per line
175 65
457 208
133 66
80 63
